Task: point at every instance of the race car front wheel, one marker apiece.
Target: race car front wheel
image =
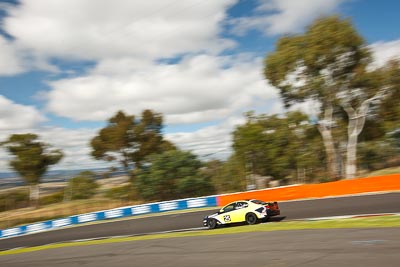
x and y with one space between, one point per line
251 218
212 224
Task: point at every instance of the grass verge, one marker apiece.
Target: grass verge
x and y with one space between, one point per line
393 170
367 222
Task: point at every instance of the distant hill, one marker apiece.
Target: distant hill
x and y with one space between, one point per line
7 175
11 179
62 173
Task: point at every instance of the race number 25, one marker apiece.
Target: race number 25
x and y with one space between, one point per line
227 218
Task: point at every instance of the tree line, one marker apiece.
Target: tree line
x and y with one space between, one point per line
356 126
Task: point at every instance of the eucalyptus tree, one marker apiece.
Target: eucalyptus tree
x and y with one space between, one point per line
128 140
116 141
328 65
173 174
277 146
32 159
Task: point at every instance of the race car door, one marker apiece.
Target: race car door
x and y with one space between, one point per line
237 214
225 215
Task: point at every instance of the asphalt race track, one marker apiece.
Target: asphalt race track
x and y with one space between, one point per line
301 248
366 204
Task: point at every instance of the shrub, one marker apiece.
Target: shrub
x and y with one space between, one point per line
171 175
81 187
125 192
52 199
14 199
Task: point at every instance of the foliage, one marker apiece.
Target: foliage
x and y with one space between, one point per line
389 110
277 146
229 176
14 199
379 154
125 192
82 186
52 198
130 141
32 157
171 175
115 140
328 65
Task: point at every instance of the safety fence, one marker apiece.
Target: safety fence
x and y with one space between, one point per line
337 188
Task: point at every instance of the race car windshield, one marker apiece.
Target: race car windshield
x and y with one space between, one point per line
259 202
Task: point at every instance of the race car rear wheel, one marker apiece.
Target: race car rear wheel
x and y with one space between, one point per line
251 218
212 223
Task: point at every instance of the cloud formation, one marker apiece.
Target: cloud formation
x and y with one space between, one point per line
209 142
102 29
197 89
15 116
284 16
10 63
385 51
168 55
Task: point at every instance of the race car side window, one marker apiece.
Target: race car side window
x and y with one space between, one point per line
228 208
241 205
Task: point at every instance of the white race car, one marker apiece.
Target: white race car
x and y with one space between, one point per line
250 211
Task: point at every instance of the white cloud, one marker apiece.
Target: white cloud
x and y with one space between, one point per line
16 60
284 16
197 89
103 29
126 40
16 116
213 142
75 144
311 108
384 51
10 63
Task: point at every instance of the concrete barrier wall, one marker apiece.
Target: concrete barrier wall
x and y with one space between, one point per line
338 188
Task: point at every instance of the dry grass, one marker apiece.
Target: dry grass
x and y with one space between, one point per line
394 170
29 215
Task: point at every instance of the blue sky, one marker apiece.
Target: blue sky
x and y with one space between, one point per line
66 66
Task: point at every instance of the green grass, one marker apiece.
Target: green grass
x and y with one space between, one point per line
368 222
387 171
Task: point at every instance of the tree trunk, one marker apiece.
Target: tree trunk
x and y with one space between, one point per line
351 156
354 128
331 155
34 195
325 130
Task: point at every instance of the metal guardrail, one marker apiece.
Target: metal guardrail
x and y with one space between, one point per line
135 210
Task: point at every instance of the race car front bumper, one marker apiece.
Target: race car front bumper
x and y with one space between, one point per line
205 221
